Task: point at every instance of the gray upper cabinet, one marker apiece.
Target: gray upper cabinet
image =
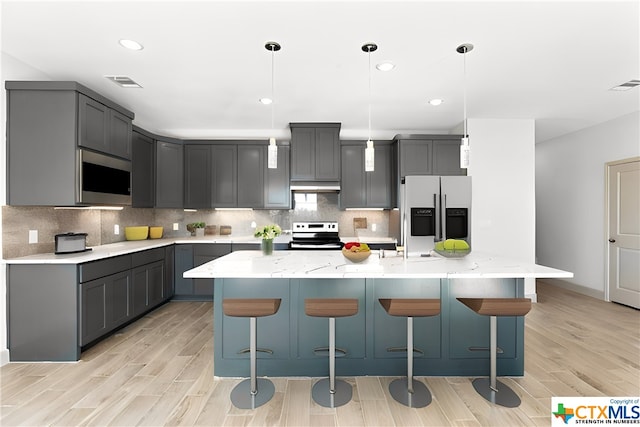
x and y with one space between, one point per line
103 129
429 155
46 123
197 176
224 174
360 189
277 193
142 171
251 166
169 175
315 151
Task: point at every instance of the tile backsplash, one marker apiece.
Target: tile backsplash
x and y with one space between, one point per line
99 224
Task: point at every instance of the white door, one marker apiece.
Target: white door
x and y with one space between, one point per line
624 232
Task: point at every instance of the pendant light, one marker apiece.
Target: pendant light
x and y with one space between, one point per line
369 154
272 149
464 143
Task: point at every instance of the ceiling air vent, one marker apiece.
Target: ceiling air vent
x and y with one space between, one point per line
123 81
626 86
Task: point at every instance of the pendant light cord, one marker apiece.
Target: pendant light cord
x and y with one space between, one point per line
273 100
369 54
464 90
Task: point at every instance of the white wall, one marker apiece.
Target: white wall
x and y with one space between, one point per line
502 166
10 69
570 198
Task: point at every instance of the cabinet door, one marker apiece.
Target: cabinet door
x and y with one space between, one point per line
303 146
197 176
169 175
155 287
390 332
353 191
327 154
379 185
93 124
203 253
415 157
183 262
446 158
225 177
251 166
313 332
120 305
142 176
276 183
94 309
140 289
169 272
119 134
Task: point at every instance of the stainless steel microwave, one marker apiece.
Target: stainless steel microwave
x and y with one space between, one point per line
103 180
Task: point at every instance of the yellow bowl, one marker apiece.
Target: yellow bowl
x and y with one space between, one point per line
136 233
355 256
155 232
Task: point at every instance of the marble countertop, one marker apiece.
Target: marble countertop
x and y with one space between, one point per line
128 247
332 264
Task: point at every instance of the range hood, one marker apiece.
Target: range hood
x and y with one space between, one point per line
315 186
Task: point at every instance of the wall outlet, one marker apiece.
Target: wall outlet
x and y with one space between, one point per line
253 224
176 226
116 229
33 236
373 227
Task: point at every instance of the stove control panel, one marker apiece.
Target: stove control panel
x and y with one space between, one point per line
315 226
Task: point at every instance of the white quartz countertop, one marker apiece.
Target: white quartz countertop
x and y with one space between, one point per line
332 264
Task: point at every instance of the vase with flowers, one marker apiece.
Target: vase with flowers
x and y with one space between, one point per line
268 233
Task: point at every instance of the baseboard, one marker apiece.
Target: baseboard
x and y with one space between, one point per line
4 357
590 292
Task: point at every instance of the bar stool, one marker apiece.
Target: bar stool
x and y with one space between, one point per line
252 392
490 388
405 390
329 392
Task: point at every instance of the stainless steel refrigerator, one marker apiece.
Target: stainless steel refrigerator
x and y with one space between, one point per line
433 208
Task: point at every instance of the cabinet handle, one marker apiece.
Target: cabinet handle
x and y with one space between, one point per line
612 240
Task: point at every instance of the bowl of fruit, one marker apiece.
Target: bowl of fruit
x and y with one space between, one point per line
452 248
356 251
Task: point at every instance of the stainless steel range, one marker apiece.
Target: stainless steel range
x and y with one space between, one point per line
315 235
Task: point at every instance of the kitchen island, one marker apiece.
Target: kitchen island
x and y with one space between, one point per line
453 343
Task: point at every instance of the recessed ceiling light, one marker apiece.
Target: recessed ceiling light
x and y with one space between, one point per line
435 101
385 66
265 101
131 44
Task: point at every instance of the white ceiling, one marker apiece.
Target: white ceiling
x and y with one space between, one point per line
204 65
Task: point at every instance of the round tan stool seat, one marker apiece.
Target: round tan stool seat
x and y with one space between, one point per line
490 388
405 390
329 392
252 392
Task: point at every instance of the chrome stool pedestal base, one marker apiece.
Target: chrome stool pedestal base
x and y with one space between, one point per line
242 398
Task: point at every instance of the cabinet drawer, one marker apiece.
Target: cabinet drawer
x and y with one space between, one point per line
146 257
211 249
104 267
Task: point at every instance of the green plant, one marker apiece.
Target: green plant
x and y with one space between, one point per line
192 226
268 231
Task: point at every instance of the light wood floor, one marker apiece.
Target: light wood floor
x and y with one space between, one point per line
158 371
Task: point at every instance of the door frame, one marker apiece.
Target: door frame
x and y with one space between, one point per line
607 218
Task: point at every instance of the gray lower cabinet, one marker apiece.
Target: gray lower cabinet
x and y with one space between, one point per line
190 256
169 175
315 151
142 171
75 305
360 189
